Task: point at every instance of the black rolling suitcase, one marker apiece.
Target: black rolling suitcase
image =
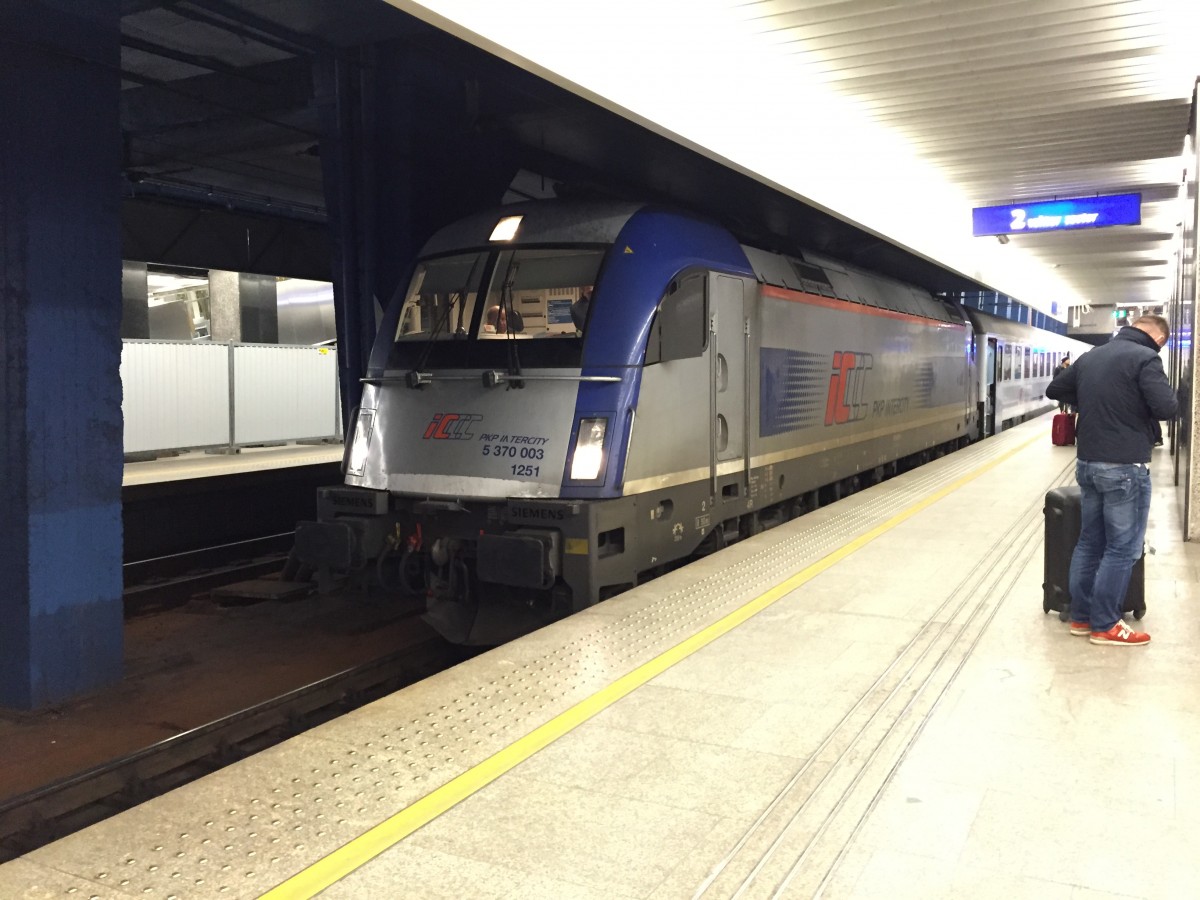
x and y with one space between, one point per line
1062 531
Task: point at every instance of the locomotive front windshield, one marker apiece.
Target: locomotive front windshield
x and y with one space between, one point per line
540 294
461 311
441 299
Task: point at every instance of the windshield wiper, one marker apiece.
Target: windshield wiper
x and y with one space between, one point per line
512 319
458 298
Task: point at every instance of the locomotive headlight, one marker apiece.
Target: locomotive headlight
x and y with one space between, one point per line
362 441
589 450
506 228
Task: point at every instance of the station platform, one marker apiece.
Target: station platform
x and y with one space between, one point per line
866 702
199 464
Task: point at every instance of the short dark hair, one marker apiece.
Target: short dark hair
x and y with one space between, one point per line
1159 323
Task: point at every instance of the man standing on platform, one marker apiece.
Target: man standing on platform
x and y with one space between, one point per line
1063 407
1120 391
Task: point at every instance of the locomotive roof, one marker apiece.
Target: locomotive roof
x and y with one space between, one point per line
542 222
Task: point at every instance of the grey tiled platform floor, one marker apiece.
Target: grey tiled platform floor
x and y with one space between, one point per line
904 724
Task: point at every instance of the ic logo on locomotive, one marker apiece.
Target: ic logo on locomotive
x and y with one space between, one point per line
846 387
450 426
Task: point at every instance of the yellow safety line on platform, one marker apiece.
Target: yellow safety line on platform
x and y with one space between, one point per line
349 857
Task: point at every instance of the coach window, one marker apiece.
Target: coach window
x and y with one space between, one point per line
680 327
1028 363
1006 366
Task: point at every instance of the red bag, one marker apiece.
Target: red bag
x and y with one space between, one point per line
1063 430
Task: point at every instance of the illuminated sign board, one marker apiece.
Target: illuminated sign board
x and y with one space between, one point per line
1058 215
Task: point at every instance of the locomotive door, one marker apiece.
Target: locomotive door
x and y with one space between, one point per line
727 365
990 367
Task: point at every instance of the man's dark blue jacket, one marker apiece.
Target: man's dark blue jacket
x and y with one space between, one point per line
1120 390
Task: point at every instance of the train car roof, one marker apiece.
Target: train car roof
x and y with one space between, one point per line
1006 328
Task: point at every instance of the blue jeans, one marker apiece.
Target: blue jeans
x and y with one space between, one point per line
1116 506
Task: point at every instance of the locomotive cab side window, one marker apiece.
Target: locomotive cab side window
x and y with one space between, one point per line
680 327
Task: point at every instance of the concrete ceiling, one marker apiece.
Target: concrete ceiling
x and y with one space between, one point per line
896 116
1014 100
984 101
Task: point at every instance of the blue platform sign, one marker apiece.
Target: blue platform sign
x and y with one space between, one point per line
1058 215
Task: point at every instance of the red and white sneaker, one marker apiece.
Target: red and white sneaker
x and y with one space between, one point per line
1120 635
1081 629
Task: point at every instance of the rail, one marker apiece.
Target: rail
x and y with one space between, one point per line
36 818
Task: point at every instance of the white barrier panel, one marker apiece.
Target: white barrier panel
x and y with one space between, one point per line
175 395
284 393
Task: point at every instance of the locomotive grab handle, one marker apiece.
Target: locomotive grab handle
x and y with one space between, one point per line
417 379
495 377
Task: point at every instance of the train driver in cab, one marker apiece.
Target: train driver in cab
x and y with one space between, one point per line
579 309
495 321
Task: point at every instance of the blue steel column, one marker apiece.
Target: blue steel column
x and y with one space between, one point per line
342 91
60 318
401 156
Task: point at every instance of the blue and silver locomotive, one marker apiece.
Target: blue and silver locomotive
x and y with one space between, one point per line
571 399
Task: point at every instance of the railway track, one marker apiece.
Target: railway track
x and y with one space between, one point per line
192 535
173 579
36 818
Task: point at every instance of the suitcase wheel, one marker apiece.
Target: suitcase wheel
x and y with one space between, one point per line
1138 613
1063 615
